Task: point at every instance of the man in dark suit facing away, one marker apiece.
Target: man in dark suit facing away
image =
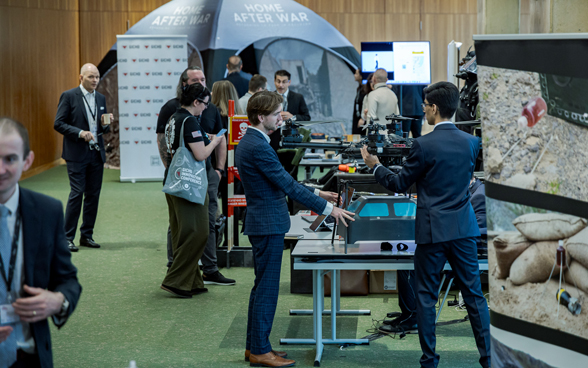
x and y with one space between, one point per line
234 66
80 118
441 164
38 279
293 105
266 185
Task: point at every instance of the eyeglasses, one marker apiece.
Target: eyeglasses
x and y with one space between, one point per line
425 104
202 102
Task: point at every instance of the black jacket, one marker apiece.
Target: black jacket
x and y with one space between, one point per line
241 84
71 119
47 260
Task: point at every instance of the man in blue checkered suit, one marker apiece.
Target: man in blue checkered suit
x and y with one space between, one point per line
266 185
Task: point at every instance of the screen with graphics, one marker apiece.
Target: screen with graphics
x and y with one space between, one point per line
405 62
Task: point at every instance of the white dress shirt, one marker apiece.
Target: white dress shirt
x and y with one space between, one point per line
91 98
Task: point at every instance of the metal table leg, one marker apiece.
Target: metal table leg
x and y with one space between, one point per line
337 296
444 297
318 305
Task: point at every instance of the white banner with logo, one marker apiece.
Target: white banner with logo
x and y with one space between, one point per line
149 68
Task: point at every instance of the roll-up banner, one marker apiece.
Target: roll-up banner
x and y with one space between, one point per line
149 68
534 111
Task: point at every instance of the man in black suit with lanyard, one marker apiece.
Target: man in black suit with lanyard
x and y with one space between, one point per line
441 164
38 280
82 119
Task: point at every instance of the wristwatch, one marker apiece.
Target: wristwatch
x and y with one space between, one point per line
221 171
64 307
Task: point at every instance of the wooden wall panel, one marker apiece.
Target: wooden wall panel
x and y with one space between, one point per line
145 5
450 6
441 29
41 60
403 6
136 16
98 32
104 5
402 27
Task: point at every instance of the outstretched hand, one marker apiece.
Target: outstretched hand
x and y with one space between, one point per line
340 215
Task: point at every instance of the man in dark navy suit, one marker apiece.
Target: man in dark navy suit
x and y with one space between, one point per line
293 105
406 321
266 185
38 279
234 66
441 164
80 118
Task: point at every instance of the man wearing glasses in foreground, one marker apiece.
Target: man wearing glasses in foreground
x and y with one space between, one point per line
441 164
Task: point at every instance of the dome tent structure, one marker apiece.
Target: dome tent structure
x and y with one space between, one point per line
268 35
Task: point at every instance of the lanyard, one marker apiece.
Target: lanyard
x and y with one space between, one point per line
89 109
12 265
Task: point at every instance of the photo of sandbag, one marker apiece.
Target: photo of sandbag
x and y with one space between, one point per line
578 275
548 226
535 263
508 246
528 143
577 247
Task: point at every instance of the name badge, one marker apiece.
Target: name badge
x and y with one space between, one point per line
7 314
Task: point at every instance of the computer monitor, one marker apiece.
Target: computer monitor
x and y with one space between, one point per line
407 62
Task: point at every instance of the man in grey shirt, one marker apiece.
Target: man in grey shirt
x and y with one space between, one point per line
381 102
257 83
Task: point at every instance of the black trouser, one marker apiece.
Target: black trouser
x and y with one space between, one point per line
85 180
429 260
407 297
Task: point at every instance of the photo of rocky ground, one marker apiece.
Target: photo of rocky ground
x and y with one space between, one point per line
524 276
550 157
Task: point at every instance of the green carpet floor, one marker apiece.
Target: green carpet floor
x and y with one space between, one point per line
123 315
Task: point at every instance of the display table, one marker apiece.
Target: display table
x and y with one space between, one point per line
320 257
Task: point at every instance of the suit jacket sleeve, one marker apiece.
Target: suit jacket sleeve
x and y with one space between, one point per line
267 159
63 274
478 202
410 173
303 113
62 124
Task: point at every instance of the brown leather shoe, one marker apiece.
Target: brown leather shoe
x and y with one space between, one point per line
281 354
269 360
